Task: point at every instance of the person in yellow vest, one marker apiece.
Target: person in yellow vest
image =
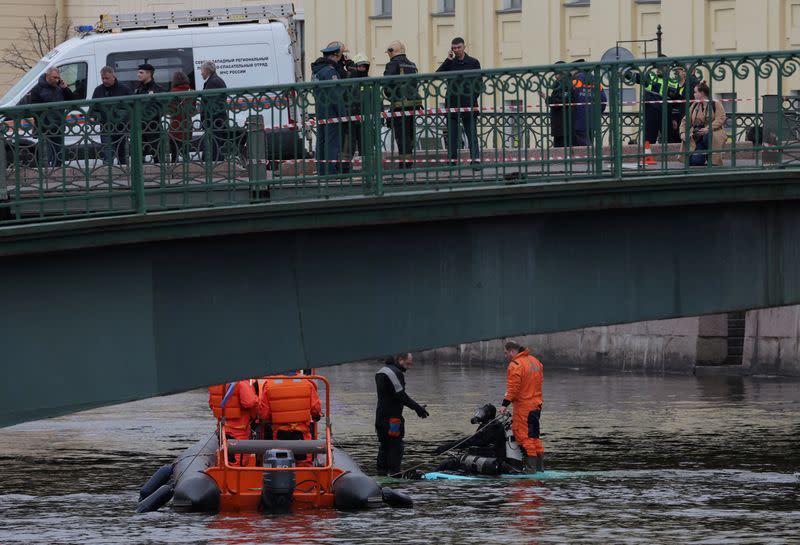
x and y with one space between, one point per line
238 403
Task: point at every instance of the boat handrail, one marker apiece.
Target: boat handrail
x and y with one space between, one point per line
260 446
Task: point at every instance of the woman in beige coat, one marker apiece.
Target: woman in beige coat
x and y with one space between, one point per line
699 117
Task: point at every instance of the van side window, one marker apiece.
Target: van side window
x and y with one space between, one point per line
75 74
165 61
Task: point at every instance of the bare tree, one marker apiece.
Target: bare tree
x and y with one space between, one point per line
34 42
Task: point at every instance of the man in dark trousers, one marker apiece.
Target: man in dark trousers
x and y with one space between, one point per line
404 100
51 88
462 92
328 103
113 119
214 116
389 422
559 101
151 111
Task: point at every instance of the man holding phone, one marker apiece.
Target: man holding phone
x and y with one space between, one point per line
51 88
462 92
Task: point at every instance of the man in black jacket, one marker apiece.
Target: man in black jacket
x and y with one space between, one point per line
560 107
151 111
214 116
389 422
51 88
114 120
462 92
404 99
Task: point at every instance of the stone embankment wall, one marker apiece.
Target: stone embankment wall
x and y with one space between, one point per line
772 341
771 345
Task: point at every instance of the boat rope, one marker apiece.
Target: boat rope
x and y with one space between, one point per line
213 434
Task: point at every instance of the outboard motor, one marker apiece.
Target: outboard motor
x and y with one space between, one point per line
481 465
277 487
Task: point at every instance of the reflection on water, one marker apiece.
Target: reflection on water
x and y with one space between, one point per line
645 459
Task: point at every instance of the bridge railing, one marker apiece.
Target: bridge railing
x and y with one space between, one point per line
376 136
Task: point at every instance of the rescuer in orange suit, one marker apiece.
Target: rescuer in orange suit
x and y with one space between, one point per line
240 409
290 404
524 389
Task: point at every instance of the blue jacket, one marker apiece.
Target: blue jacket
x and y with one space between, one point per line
584 94
329 101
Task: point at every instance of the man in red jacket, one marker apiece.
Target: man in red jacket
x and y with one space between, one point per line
524 390
239 410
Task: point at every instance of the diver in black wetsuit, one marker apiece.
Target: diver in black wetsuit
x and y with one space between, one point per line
484 451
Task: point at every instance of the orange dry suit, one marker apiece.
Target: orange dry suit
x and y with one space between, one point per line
524 390
239 410
289 404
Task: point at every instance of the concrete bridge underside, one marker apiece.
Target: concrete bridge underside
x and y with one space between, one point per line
119 309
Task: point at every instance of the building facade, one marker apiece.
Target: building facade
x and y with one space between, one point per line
500 33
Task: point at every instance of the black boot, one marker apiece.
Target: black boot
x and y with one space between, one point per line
540 463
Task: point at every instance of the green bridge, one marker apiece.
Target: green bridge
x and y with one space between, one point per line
158 243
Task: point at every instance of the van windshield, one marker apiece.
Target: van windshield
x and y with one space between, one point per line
32 75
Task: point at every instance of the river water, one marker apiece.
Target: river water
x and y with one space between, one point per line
639 459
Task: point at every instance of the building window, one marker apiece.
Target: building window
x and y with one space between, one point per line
383 8
575 3
512 4
446 6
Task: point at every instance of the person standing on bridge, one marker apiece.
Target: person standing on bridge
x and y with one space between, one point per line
328 104
113 119
389 422
524 389
404 99
463 93
214 116
50 123
151 111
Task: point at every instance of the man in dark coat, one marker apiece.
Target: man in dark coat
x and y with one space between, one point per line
51 88
404 99
328 104
215 115
152 111
587 93
560 112
113 119
462 92
389 422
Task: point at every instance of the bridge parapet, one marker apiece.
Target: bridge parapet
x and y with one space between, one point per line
382 136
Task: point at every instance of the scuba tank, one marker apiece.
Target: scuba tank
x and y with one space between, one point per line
479 464
513 450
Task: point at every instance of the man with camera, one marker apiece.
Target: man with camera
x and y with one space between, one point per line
51 88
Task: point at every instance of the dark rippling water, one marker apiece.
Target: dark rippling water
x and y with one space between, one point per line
640 459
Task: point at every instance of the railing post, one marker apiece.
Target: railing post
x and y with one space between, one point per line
137 167
372 165
597 121
256 149
615 131
3 190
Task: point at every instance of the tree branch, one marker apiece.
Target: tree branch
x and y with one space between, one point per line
34 42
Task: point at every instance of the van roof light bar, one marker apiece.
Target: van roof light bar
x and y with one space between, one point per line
150 19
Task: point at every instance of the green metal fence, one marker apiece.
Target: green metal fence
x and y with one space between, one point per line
378 136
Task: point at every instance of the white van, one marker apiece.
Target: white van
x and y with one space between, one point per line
252 46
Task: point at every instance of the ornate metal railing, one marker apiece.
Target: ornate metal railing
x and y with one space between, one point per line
376 136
